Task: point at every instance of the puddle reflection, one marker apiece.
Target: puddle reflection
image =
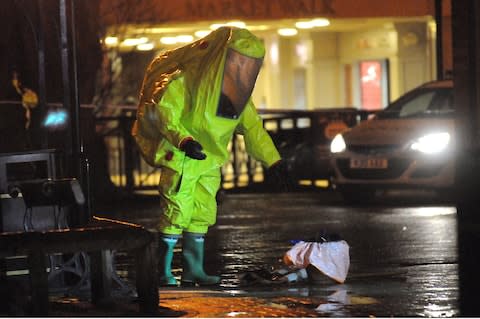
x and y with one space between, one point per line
335 303
437 311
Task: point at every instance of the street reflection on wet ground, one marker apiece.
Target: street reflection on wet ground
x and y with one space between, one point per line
403 257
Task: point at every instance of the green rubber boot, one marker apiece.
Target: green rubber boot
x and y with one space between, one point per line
193 253
166 243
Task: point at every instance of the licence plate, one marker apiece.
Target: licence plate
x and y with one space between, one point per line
375 163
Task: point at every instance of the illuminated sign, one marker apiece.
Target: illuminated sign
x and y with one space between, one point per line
56 119
373 86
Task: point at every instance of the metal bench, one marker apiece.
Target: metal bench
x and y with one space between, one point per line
97 238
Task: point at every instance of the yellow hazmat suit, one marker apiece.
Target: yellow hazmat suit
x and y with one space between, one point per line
200 92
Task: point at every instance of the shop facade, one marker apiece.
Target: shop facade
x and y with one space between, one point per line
369 53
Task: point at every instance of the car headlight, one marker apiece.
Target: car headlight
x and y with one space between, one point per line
431 143
338 144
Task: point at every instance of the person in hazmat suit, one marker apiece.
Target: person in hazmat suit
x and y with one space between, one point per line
193 99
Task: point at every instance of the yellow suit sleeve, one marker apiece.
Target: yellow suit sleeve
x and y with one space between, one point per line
258 142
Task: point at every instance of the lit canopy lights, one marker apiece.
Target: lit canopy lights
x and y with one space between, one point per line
147 38
177 39
111 41
133 42
145 46
310 24
287 32
237 24
202 33
304 24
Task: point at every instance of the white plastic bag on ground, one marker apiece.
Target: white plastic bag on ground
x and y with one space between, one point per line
331 258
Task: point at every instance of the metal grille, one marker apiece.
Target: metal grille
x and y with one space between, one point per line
373 149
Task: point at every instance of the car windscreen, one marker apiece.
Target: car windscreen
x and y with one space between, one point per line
424 102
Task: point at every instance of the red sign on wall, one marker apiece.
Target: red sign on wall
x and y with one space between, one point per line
371 73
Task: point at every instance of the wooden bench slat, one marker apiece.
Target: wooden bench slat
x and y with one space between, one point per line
89 238
98 239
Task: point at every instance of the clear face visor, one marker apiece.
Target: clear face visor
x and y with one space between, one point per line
239 78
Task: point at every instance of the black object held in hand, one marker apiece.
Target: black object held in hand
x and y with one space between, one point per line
193 149
280 177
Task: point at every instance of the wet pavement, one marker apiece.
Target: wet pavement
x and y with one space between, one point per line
403 259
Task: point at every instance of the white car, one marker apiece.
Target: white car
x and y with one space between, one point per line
409 144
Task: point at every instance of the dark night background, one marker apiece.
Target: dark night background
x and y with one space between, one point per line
28 29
